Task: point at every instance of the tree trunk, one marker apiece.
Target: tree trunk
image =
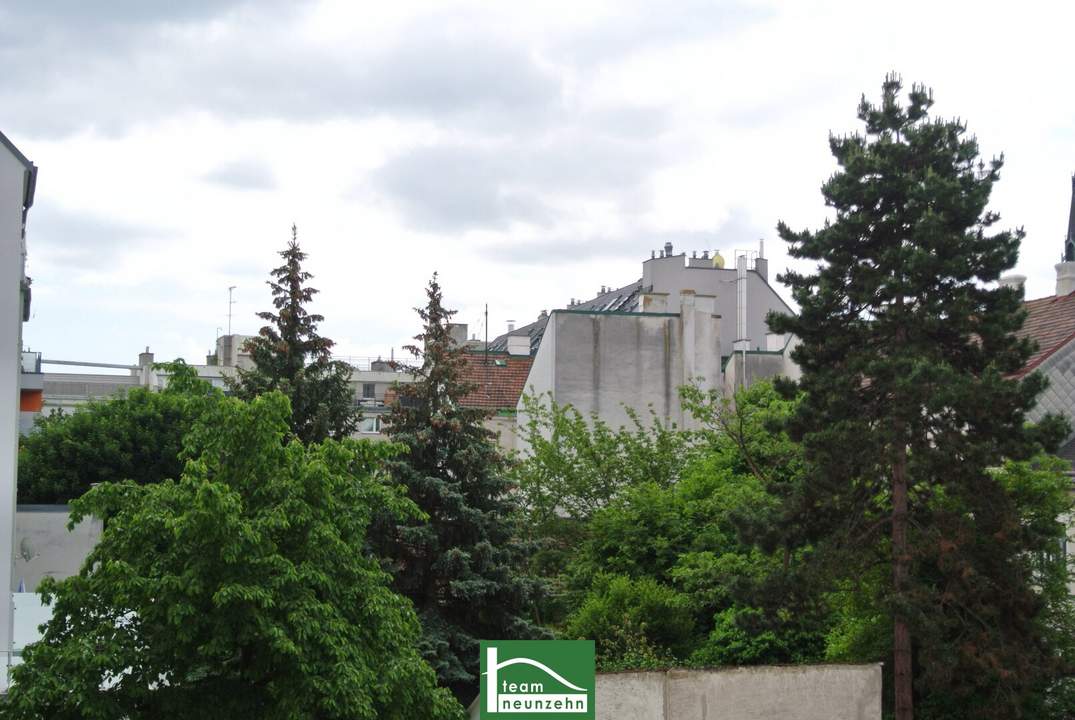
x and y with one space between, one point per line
901 642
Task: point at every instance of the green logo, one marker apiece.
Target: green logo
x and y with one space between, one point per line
537 679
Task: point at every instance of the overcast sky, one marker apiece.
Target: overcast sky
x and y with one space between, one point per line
530 153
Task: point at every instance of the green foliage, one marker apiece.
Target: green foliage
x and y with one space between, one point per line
290 357
134 437
461 565
906 355
575 467
577 464
243 589
639 623
691 528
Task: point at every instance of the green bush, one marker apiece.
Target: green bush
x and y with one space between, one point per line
638 618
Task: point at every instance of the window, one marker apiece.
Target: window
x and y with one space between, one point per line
369 391
369 425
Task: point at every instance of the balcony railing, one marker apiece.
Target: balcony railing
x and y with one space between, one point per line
370 364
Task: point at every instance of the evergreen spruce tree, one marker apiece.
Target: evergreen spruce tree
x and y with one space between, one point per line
907 357
460 565
291 357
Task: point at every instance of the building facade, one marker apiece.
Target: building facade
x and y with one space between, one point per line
688 320
18 180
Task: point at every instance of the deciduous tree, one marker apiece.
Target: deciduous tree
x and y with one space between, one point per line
243 589
137 436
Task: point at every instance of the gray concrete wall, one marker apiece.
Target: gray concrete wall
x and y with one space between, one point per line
44 547
605 363
805 692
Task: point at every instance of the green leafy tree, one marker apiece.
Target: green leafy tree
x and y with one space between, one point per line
461 566
906 355
638 623
137 436
700 538
289 356
243 589
576 465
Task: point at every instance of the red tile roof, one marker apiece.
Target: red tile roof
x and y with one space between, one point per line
500 382
1050 322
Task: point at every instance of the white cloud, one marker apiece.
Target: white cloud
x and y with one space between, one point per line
529 152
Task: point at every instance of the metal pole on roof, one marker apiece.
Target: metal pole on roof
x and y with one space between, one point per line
230 303
486 333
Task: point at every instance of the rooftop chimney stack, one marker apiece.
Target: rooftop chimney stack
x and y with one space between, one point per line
1013 281
668 249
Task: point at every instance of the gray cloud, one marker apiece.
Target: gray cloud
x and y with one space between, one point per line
736 232
243 175
78 240
461 186
65 75
640 26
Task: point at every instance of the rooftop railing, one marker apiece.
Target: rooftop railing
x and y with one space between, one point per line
370 364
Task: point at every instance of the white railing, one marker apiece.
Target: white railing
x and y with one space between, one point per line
374 364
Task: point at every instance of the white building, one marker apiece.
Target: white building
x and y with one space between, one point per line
18 177
687 321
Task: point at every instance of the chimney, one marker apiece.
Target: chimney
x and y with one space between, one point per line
458 332
518 345
511 325
1013 281
145 368
1065 278
668 249
761 263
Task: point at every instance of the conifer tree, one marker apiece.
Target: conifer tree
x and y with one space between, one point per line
291 357
907 357
460 565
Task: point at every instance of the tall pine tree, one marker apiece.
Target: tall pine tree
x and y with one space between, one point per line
906 355
291 357
461 565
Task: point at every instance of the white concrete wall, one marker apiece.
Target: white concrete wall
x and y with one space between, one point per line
804 692
44 547
13 178
606 362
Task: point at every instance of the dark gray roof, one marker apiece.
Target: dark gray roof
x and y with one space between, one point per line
624 299
31 184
